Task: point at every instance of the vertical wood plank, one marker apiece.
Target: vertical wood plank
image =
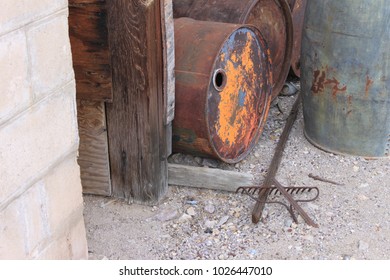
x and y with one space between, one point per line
93 151
136 125
169 60
89 41
169 70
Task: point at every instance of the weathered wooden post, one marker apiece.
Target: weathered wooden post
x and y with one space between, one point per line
123 59
135 118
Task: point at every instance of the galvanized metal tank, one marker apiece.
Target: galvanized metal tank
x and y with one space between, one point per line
223 88
271 17
345 76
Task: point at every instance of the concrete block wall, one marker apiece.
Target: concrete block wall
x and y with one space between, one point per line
41 206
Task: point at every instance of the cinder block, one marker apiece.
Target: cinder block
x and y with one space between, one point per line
78 241
50 55
59 249
14 81
12 233
36 216
15 14
64 193
36 140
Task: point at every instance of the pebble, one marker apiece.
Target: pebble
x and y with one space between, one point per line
191 202
346 257
362 197
167 214
210 224
198 160
363 246
210 163
209 208
252 252
355 168
191 211
185 217
288 223
223 220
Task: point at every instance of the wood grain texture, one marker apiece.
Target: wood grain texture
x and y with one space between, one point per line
169 60
93 150
209 178
90 50
136 129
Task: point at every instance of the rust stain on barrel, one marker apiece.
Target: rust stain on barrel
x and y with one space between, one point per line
320 81
234 120
369 83
223 88
271 17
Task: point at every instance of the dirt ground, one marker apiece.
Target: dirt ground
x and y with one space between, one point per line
191 223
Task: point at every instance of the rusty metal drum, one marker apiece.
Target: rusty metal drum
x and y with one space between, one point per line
345 76
181 7
298 16
223 89
271 17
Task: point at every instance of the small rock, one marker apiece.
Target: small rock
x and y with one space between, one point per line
167 214
363 246
252 166
362 197
355 168
253 252
191 202
364 185
223 220
208 230
257 155
209 243
346 257
210 224
198 160
294 225
209 208
191 211
184 218
288 222
210 163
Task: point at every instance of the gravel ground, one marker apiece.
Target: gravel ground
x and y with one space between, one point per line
193 223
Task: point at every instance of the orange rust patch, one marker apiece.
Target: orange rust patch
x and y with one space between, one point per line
320 81
236 115
369 83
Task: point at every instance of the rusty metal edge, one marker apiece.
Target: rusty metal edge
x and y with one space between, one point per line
268 101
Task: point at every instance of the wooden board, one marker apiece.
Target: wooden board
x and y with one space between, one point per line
135 118
209 178
169 60
90 50
169 70
93 151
